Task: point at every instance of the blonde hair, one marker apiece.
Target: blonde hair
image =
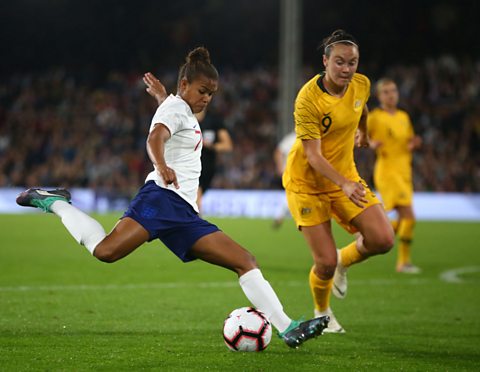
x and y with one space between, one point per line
383 81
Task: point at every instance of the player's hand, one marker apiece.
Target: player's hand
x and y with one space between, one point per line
361 139
375 144
355 192
414 143
154 87
169 176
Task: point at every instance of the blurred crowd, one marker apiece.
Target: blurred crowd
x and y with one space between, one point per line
74 130
442 97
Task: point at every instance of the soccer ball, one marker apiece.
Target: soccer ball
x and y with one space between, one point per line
247 329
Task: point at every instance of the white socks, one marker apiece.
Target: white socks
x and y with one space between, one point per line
88 232
81 226
262 296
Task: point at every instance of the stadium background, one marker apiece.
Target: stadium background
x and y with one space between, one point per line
74 113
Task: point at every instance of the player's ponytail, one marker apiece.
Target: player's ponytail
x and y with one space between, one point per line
199 54
337 37
197 63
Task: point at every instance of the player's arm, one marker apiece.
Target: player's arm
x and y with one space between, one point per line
374 144
415 143
374 138
361 136
279 160
354 190
224 142
156 151
155 88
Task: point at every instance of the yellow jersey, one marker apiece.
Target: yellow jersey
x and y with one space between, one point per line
394 131
333 120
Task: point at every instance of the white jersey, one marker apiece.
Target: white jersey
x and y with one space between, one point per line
183 148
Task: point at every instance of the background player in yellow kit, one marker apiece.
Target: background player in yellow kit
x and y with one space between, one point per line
321 179
392 136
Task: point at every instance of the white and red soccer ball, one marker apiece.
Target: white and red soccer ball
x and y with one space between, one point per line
247 329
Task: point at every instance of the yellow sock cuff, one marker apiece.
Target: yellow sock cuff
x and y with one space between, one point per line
405 234
350 255
319 282
405 229
321 289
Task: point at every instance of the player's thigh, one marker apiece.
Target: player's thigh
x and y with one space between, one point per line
376 229
125 237
309 209
219 249
322 245
405 212
345 211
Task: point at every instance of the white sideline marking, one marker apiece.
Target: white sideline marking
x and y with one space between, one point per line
453 276
176 285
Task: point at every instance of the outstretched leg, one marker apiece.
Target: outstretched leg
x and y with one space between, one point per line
125 237
219 249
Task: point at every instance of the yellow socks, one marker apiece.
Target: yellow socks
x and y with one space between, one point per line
394 224
405 234
350 255
320 291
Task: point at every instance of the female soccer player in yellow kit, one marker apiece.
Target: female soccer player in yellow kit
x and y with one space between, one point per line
392 136
321 179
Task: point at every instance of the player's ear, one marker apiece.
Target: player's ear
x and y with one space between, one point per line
325 60
183 84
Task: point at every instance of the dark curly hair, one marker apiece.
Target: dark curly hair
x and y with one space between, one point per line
197 63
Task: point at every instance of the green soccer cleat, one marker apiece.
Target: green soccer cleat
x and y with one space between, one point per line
299 332
43 199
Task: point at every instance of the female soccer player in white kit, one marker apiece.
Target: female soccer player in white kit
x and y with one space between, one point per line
165 206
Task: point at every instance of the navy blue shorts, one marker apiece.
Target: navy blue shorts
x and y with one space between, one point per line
166 216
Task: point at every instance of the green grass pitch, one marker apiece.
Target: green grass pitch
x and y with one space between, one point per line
61 310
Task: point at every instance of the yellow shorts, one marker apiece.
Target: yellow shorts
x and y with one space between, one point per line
314 209
395 190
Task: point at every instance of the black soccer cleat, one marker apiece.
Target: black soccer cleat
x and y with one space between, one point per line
43 199
298 332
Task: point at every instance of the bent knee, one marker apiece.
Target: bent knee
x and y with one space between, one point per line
106 255
384 244
247 263
325 270
250 262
